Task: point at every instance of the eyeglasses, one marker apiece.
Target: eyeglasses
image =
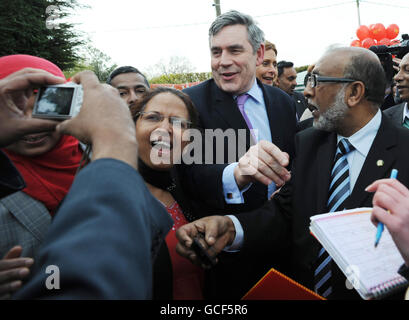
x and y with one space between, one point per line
155 117
313 79
307 76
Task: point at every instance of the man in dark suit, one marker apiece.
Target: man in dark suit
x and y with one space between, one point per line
237 48
400 113
109 226
287 81
346 90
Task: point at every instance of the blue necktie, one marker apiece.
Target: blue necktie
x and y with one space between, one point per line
339 192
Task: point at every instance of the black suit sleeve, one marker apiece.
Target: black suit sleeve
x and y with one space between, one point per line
204 183
103 238
267 229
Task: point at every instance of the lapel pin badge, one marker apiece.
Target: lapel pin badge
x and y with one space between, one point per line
379 163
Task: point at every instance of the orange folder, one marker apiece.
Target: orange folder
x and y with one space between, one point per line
277 286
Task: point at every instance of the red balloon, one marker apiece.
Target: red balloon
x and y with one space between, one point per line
378 31
356 43
363 32
394 41
392 31
384 41
368 42
371 26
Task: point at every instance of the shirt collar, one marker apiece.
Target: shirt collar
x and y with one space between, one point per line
405 112
362 139
255 92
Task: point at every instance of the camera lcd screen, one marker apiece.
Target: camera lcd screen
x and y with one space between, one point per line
54 101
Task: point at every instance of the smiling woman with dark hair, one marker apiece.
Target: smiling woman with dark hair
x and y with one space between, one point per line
162 117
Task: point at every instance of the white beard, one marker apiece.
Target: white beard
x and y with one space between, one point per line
332 117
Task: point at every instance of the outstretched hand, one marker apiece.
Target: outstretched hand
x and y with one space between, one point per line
263 162
13 269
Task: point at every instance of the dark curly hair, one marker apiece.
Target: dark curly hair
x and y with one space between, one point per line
141 104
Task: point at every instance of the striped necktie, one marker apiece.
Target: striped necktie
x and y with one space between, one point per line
339 192
406 122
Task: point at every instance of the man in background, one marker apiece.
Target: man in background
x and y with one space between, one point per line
130 82
400 113
287 81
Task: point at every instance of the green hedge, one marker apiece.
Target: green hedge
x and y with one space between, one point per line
181 78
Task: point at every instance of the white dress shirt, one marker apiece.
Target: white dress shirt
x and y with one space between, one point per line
405 112
255 110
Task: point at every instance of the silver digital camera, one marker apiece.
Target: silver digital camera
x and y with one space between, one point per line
58 102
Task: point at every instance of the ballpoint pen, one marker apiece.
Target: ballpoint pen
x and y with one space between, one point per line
394 174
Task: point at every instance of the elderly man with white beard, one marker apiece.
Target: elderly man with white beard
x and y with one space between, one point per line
350 145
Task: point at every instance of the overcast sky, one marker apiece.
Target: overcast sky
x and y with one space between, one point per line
140 33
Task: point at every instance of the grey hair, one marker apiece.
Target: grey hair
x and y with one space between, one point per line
369 70
233 17
363 65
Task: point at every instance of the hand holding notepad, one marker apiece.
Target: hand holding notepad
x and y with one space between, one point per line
347 236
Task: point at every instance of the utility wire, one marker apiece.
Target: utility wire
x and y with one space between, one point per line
207 22
384 4
305 10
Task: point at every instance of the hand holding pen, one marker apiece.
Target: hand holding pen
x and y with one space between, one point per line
380 227
377 204
391 207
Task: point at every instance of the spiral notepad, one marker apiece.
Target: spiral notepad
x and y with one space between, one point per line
348 236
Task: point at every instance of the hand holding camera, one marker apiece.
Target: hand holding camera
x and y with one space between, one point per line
58 102
15 90
103 120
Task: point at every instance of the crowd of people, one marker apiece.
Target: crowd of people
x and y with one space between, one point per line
119 222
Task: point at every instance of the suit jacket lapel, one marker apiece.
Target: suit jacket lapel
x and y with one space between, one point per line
398 115
275 125
226 107
324 159
377 165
